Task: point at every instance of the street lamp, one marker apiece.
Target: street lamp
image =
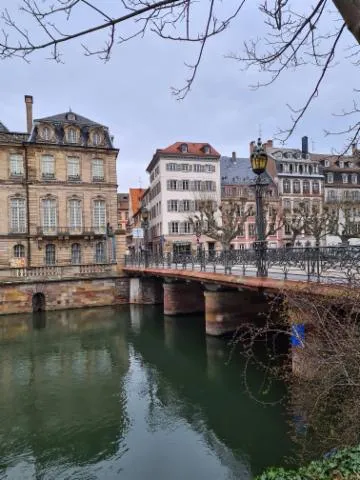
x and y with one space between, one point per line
145 226
258 161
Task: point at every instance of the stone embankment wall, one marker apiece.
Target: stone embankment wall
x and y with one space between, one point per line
16 297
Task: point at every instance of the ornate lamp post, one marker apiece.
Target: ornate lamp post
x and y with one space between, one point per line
258 161
145 226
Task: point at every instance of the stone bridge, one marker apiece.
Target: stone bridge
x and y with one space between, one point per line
227 300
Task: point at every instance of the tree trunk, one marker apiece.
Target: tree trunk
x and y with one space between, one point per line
350 11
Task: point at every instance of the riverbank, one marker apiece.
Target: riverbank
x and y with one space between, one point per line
344 464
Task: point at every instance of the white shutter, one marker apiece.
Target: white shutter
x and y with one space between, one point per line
169 205
181 205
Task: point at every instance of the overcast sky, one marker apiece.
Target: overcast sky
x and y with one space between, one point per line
131 94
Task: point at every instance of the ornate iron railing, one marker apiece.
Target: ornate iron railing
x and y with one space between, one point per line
319 264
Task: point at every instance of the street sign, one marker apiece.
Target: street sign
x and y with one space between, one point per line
138 233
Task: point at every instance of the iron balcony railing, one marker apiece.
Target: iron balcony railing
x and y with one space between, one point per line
321 264
70 231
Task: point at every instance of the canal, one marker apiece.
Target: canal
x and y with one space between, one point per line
125 393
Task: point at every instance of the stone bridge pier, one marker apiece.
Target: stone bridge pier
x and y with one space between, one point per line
183 297
145 291
226 310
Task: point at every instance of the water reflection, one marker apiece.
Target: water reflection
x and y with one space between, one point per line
121 392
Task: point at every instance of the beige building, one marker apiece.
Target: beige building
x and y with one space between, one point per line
58 195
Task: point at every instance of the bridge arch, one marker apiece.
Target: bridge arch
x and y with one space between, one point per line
38 302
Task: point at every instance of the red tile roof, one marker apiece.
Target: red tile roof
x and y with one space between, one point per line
193 149
136 195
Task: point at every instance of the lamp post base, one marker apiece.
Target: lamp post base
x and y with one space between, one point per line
261 258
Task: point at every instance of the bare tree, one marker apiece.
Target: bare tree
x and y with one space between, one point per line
317 222
223 223
296 33
348 221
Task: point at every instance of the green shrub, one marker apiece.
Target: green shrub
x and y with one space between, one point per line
342 465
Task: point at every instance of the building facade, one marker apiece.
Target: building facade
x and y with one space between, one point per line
237 184
299 179
123 210
342 190
60 192
180 176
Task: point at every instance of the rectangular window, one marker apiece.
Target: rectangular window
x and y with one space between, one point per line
48 166
316 188
49 215
172 205
171 167
209 168
173 227
16 165
252 229
73 165
287 229
354 178
209 186
75 214
184 184
185 228
330 177
171 184
186 205
296 186
185 167
99 216
18 215
197 185
98 170
345 178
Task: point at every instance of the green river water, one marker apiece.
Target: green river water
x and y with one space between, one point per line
124 393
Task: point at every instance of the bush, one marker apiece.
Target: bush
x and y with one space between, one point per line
342 465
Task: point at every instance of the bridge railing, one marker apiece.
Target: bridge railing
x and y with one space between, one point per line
340 264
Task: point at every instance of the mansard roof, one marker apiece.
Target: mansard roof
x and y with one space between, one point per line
238 171
66 117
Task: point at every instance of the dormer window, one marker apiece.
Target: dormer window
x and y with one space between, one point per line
327 163
350 164
206 149
96 138
71 116
184 148
354 178
72 135
341 164
46 133
345 178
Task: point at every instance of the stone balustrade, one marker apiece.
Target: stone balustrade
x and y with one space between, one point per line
57 271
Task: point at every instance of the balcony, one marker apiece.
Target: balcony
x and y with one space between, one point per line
73 232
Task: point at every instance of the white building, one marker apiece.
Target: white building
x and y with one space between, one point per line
180 175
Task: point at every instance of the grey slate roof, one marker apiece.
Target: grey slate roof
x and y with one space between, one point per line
3 128
237 171
62 118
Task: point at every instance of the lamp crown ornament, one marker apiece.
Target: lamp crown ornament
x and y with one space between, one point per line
258 158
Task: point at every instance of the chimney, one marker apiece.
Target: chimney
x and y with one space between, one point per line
233 157
304 146
269 143
29 112
354 149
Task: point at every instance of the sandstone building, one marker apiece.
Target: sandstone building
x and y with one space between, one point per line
58 196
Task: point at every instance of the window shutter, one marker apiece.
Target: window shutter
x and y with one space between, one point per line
181 206
169 205
168 184
182 228
192 206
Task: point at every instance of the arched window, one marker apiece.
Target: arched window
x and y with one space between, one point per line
71 135
75 253
99 216
50 254
75 214
17 215
100 252
49 215
19 251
